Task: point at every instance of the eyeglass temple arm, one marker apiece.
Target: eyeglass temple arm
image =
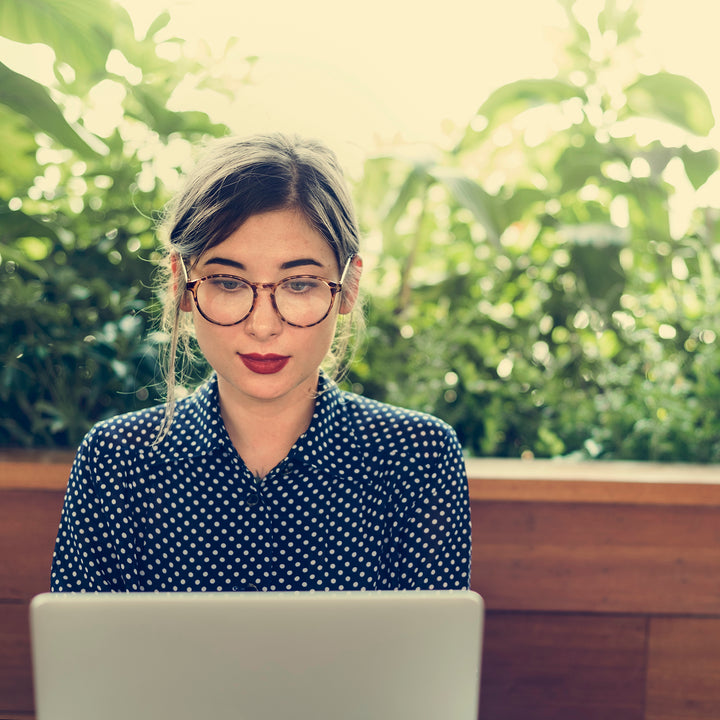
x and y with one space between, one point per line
348 263
184 269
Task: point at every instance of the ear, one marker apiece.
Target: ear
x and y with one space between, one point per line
178 279
351 286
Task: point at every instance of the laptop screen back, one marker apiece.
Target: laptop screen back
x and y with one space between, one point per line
257 656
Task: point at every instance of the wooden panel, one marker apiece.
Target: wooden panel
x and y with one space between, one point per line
597 558
28 526
555 541
625 471
594 482
16 694
490 479
37 469
554 667
684 669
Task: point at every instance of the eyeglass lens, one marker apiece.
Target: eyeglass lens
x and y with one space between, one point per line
300 300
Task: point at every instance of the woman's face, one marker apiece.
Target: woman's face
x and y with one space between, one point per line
263 359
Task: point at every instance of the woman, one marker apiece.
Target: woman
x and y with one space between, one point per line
268 477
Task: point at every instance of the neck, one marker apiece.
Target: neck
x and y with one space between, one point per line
264 431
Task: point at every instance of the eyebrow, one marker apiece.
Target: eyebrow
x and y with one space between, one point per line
290 264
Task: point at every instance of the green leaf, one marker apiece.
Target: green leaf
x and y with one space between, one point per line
624 21
508 101
158 24
18 165
471 196
699 166
577 164
165 122
79 31
31 99
21 260
673 98
521 201
412 187
594 249
15 223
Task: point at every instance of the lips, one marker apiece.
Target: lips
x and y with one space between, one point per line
264 364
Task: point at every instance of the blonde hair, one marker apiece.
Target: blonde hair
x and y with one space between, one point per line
234 180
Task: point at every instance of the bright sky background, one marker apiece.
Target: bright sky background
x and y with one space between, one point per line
365 74
356 73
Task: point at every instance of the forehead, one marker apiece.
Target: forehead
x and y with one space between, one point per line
273 238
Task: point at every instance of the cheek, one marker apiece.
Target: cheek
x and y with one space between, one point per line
313 344
212 338
326 330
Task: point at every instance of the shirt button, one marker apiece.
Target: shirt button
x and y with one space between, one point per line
252 499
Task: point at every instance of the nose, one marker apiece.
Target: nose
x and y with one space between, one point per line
263 321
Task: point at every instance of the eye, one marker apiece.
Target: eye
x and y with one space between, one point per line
227 283
300 285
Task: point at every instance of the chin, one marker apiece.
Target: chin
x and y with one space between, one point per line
268 387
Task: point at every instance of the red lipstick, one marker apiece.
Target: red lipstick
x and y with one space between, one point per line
264 364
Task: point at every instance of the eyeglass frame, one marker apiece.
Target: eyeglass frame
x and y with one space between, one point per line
335 288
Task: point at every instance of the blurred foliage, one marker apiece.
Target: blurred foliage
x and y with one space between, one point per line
538 286
78 211
549 285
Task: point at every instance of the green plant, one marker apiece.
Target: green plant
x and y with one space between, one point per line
533 287
77 217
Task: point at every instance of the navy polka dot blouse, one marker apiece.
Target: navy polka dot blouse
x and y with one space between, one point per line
371 497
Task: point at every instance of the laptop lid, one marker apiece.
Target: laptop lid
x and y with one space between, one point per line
257 656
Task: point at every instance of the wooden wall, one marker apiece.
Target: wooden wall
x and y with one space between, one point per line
602 585
31 494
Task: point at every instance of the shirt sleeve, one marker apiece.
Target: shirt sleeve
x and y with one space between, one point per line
83 556
434 544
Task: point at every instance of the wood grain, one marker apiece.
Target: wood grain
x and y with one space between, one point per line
563 667
40 470
684 668
580 557
28 526
16 692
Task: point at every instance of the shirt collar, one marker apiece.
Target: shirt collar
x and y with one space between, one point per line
197 427
329 442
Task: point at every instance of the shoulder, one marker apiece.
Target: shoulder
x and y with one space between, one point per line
375 420
412 451
131 431
136 433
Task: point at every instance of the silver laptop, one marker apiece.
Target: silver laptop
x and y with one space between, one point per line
257 656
